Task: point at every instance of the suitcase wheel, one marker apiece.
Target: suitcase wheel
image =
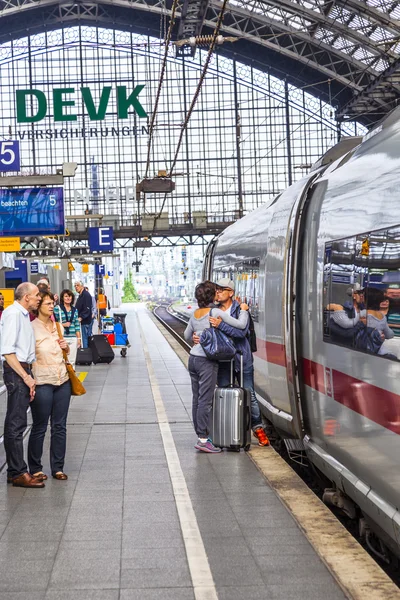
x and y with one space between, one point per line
123 352
247 448
235 448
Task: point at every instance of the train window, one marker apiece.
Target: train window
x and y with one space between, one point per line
247 287
361 293
227 271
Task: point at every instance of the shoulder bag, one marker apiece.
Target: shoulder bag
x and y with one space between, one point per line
77 389
251 334
216 344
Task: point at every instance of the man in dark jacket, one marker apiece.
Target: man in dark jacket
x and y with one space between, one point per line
84 307
344 320
224 297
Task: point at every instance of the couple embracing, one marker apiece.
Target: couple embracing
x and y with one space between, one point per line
233 320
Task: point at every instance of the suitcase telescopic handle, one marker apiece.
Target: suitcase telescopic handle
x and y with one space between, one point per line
232 382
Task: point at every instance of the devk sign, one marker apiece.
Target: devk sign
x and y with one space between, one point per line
35 103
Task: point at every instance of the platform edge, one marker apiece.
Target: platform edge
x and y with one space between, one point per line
357 574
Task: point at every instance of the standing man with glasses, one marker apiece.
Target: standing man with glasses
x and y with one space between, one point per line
84 307
225 298
18 353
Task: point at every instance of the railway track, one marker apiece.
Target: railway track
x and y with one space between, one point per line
176 326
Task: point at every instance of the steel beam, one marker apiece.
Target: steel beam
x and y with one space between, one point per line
319 35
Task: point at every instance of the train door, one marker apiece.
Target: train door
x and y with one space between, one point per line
293 269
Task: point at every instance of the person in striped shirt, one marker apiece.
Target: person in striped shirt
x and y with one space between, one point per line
66 314
393 310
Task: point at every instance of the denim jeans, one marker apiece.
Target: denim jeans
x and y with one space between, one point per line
90 332
224 378
51 401
86 329
203 374
18 397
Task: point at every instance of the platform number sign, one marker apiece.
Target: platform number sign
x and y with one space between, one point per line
9 156
100 269
101 239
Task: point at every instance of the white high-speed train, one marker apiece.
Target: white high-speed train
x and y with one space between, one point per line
334 232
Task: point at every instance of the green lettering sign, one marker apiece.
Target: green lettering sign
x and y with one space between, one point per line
124 103
59 104
88 100
21 96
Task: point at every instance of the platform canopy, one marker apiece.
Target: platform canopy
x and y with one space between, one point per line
346 52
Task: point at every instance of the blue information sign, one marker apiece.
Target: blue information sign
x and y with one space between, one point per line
9 156
101 239
32 211
100 269
34 268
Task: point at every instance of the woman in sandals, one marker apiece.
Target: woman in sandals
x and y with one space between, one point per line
66 314
204 372
53 392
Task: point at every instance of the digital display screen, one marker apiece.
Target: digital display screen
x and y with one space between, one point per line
32 211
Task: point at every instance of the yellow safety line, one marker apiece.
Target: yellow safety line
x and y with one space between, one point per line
82 376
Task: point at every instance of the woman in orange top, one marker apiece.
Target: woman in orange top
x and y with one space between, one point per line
53 393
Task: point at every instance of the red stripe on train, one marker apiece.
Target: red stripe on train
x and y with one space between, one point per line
313 374
370 401
271 352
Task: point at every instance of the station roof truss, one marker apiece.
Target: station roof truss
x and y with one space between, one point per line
80 248
347 52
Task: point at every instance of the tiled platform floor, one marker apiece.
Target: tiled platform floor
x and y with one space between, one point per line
111 532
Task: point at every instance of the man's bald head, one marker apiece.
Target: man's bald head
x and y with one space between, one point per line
27 294
23 289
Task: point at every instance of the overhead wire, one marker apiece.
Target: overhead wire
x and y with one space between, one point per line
199 85
192 105
160 83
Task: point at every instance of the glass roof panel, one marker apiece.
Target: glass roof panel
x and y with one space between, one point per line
364 24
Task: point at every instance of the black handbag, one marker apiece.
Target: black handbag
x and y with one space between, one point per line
251 335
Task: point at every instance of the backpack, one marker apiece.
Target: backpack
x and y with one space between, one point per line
342 335
216 344
251 335
368 339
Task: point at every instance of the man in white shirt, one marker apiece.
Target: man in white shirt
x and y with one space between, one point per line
18 353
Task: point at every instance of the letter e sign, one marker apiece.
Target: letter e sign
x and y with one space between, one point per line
101 239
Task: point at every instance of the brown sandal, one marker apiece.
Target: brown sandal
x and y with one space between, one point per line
62 476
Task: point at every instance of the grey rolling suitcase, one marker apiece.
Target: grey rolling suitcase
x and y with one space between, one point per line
230 419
